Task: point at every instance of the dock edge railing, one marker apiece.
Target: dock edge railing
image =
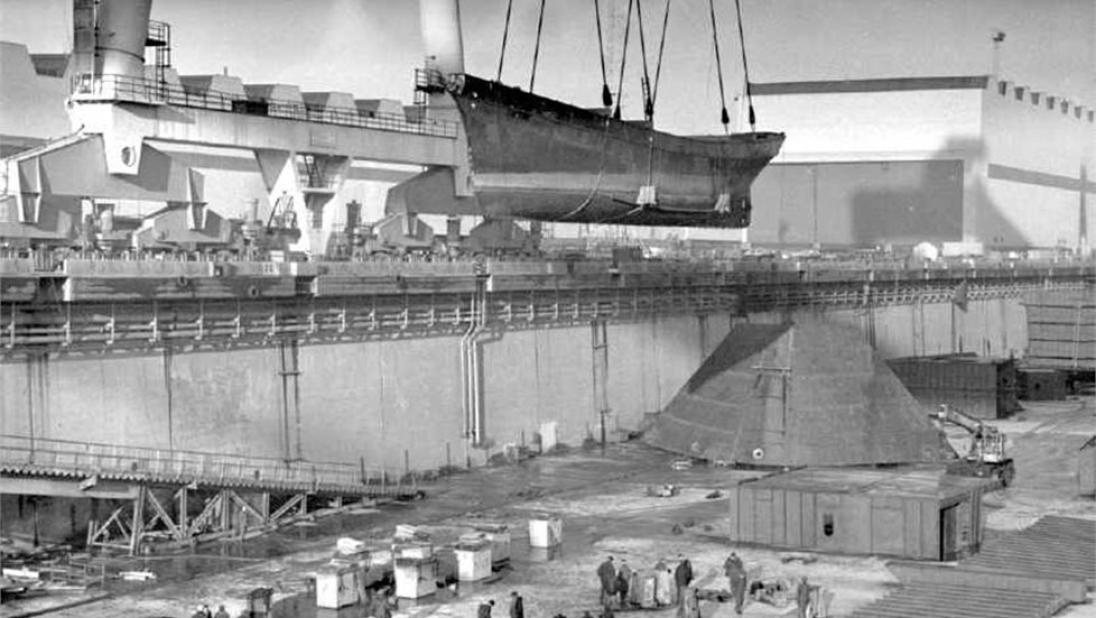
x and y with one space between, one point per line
71 458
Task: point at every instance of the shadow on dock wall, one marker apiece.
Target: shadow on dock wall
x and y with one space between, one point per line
875 203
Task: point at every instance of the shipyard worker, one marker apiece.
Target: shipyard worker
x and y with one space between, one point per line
736 577
517 605
622 584
690 604
803 599
221 612
383 607
606 574
484 610
683 573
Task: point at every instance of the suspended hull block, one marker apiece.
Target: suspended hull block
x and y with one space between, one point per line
809 393
536 158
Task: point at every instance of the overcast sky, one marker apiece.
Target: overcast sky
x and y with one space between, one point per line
370 47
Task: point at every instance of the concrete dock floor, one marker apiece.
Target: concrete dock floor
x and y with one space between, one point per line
602 500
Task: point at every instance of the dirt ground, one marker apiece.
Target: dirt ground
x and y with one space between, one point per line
603 502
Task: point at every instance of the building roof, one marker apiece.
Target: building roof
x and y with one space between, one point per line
911 482
967 82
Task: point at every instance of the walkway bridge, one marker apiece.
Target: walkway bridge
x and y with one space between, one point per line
185 496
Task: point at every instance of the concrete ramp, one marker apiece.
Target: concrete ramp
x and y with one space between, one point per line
957 599
796 394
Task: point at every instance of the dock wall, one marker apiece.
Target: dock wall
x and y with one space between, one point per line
398 403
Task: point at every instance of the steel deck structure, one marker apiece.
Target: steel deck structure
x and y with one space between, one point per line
75 313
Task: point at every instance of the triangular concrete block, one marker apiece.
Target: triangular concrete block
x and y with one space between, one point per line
797 394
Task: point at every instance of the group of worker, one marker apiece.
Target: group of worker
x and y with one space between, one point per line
517 607
735 571
203 611
621 587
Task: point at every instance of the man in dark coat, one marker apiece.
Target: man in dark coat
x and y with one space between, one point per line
625 575
517 605
736 576
484 610
622 586
683 575
606 574
803 598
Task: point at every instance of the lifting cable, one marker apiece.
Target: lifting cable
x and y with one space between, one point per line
745 67
623 59
724 117
536 49
606 96
505 34
661 47
648 107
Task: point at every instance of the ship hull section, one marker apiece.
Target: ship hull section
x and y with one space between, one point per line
539 159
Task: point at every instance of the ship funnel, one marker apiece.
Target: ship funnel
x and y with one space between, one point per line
123 28
441 37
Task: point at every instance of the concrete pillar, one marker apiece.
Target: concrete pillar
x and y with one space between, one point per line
441 36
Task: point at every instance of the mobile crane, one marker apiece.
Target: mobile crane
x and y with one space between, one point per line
986 456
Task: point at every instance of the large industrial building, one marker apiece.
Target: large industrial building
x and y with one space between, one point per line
893 162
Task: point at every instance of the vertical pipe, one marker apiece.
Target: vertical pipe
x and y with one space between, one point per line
295 349
120 44
83 38
170 403
441 35
285 399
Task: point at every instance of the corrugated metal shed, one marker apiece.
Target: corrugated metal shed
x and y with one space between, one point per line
1062 329
935 600
919 512
980 387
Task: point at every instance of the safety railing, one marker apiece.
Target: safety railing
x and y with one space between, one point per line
56 456
140 90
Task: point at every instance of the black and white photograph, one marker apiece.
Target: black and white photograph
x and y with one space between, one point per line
547 308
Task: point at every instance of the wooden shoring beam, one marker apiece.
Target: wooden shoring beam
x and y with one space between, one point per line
138 529
295 501
182 499
245 507
99 536
160 514
212 505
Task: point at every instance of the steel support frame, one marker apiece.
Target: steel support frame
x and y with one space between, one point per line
226 514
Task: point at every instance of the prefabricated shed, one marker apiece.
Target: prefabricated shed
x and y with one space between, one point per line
918 512
980 387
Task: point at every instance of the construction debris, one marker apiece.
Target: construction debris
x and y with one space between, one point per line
349 546
667 490
137 576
